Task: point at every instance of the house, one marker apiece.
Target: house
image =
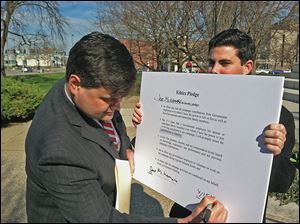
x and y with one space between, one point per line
34 57
280 48
10 58
284 45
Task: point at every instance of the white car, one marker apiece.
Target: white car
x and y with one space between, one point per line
262 71
27 69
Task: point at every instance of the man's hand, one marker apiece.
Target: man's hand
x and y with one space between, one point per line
130 157
137 115
274 138
218 213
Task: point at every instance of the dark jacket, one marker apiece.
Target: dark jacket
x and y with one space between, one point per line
283 171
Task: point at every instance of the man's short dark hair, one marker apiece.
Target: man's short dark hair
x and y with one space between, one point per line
241 41
102 61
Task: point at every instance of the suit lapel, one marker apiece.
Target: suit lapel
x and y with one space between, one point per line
98 136
118 126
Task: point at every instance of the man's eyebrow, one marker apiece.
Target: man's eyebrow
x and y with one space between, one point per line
225 60
111 97
106 96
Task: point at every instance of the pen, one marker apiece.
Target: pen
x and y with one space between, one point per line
206 214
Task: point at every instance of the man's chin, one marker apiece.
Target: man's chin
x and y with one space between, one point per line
106 117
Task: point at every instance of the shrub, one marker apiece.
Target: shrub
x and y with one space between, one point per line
292 195
18 100
138 84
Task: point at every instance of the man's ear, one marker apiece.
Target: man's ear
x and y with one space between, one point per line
74 83
247 67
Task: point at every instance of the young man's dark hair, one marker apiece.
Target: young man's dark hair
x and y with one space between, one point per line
94 60
237 39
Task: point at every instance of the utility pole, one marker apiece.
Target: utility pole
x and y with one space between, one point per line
282 50
215 18
297 52
72 40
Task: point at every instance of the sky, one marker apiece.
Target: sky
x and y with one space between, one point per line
81 16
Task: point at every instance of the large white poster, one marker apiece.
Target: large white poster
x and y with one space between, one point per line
202 134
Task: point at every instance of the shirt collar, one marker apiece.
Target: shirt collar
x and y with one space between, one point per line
67 94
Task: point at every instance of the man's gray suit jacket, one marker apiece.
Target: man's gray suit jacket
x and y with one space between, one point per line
70 164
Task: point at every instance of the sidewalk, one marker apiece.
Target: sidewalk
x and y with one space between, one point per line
144 200
18 72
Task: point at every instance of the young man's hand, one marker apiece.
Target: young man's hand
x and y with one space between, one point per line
274 138
130 157
137 115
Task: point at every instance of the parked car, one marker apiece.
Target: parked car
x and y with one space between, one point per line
262 71
200 71
277 72
27 69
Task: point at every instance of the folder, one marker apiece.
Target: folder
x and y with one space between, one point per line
123 184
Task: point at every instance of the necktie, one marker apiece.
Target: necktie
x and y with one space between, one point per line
108 128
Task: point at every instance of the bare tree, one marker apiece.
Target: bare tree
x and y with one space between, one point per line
137 21
19 17
256 18
180 30
185 30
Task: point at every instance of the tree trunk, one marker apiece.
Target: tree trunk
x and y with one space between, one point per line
3 42
3 73
10 8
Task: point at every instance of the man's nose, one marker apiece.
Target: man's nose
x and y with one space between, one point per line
115 104
215 69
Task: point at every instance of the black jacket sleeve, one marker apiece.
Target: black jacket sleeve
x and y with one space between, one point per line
283 171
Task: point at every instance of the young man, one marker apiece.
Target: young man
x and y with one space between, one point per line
70 158
232 52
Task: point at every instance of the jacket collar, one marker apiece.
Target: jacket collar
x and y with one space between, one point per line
98 136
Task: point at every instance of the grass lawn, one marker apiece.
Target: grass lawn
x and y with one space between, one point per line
44 81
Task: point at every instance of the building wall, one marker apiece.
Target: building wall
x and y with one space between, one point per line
283 49
142 53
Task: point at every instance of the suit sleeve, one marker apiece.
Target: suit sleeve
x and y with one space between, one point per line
76 191
73 188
